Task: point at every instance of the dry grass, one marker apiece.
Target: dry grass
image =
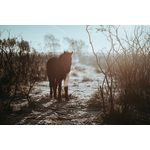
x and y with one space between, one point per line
95 101
74 74
86 79
78 68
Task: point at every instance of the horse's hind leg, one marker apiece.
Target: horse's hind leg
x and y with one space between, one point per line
51 85
55 88
59 91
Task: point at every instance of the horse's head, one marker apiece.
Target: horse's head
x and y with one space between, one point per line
65 61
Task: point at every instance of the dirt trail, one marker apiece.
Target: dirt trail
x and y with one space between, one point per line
84 81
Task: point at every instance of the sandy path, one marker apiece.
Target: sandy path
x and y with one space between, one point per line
84 81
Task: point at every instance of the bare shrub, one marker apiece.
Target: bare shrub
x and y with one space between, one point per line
127 70
19 69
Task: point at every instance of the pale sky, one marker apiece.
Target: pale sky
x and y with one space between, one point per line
35 34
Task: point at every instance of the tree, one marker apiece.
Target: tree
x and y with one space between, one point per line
77 46
51 43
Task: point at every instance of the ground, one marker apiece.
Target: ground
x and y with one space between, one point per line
84 82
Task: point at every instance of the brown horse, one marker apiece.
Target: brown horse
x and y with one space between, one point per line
58 69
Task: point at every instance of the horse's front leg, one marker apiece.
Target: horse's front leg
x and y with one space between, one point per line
59 91
55 88
66 93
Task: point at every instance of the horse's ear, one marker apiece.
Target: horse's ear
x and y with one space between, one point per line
71 52
64 52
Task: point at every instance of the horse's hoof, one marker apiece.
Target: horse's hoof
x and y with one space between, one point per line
59 99
67 99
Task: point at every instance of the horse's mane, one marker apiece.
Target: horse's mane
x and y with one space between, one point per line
66 53
65 62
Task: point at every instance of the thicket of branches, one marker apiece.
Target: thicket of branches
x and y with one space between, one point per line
126 80
19 70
